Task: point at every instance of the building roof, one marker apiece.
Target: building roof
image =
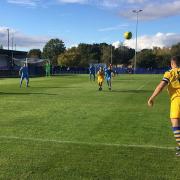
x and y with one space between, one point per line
15 53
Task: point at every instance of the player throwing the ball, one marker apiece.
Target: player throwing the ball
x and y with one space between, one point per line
171 80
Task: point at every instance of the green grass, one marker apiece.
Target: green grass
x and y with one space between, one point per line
63 128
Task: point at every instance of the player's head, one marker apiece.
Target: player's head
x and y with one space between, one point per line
100 68
175 61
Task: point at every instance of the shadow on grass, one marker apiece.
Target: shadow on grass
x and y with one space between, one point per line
13 93
55 87
69 75
131 91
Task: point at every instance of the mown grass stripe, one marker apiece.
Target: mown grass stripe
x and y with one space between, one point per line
142 86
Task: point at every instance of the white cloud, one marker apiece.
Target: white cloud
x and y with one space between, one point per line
113 28
45 3
108 4
22 40
117 44
136 1
152 9
157 40
155 10
31 3
73 45
73 1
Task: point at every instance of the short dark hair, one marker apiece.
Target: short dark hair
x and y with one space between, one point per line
176 59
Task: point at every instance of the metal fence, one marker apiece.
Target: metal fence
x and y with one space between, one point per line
58 70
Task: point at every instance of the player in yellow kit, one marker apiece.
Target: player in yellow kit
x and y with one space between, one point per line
100 75
171 79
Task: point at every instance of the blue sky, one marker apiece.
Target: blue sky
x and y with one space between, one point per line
33 22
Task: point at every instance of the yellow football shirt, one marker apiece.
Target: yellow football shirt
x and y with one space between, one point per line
172 77
100 76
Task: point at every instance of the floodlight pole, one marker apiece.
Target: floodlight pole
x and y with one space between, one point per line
12 42
12 48
8 37
111 54
27 62
137 22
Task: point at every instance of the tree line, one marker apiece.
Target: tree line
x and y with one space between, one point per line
85 54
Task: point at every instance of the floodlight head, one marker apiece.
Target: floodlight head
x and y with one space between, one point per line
137 11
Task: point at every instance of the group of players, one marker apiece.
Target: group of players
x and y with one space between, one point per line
171 80
102 74
105 73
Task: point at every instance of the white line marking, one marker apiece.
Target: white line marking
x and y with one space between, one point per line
141 87
85 143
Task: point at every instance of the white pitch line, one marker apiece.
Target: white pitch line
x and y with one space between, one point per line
85 143
141 87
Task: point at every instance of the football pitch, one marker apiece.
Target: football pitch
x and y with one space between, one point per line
64 128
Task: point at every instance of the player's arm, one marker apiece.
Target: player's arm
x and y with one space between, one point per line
20 71
113 73
156 92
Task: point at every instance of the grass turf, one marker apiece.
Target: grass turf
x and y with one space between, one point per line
63 128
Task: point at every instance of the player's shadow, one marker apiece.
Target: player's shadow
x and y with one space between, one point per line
55 87
13 93
131 91
69 75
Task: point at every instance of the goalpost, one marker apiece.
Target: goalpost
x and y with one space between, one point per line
97 66
37 61
43 64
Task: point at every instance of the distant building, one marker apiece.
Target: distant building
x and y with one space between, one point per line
6 57
7 67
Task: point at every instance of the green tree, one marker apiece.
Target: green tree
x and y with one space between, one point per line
34 53
146 59
84 51
53 49
70 57
95 52
162 56
175 50
123 55
90 53
106 54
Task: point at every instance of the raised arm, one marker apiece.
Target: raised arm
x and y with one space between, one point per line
156 92
20 71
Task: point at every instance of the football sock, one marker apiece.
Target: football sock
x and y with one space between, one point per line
176 131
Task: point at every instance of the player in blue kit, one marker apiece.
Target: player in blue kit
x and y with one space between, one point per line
92 72
108 76
23 72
